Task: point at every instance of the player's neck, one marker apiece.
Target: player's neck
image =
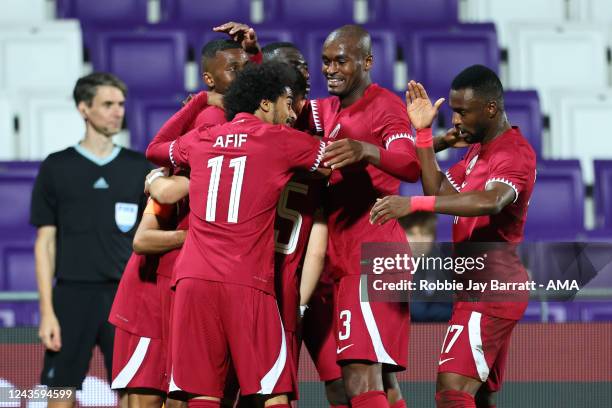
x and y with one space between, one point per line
97 143
355 94
502 127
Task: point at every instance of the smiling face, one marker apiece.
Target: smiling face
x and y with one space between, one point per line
345 66
472 116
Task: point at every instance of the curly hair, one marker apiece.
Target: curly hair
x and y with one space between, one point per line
257 82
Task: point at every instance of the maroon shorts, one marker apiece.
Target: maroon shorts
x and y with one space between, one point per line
476 345
142 362
373 331
215 324
138 362
319 334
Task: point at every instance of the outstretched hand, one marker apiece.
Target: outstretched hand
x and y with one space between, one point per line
420 110
389 207
241 33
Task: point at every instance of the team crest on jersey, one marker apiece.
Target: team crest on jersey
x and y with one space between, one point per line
334 133
125 216
470 166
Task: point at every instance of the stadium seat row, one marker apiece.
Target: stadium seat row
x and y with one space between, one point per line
337 11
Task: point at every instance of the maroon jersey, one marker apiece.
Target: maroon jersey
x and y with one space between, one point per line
238 171
507 159
294 219
209 116
378 118
136 308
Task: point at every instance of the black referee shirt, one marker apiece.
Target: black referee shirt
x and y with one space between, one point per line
96 205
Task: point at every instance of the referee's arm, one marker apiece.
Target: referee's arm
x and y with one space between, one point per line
44 254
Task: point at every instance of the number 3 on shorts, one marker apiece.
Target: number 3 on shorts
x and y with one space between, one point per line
345 317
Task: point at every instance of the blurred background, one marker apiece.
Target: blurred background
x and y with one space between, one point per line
553 56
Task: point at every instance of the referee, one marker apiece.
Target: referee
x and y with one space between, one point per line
86 204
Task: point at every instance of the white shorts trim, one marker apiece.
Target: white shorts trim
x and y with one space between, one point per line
268 382
476 346
131 368
368 316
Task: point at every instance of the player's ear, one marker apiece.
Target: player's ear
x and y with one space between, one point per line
492 108
265 105
208 80
369 61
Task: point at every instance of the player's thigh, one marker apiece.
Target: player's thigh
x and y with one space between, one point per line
139 363
257 340
319 335
200 357
375 331
471 345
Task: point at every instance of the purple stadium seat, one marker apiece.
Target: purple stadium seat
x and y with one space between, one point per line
147 115
17 270
19 167
16 193
413 11
150 61
556 209
603 193
19 314
436 56
327 13
206 13
383 48
596 311
523 110
107 12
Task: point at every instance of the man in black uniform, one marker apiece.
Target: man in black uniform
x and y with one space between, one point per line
86 203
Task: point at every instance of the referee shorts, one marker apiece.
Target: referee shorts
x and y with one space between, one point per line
82 310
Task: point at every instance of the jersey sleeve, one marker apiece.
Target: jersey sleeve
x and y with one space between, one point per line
43 208
506 167
210 116
302 150
397 150
175 153
456 174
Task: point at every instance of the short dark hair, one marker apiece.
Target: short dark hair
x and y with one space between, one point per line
87 86
210 49
483 81
268 49
254 84
298 85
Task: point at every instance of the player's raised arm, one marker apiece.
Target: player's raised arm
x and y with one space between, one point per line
245 35
422 114
168 189
179 124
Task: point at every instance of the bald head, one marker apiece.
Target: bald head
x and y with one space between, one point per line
352 36
347 61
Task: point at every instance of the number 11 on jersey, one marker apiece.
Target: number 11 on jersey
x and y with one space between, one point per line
216 164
